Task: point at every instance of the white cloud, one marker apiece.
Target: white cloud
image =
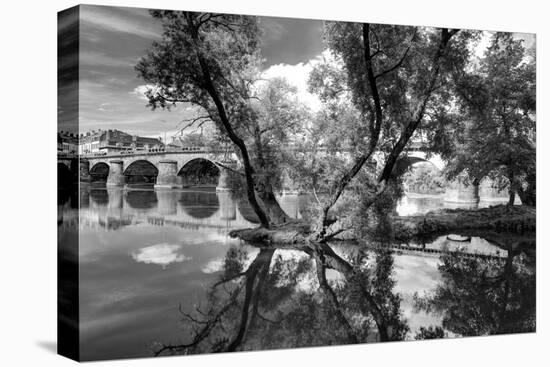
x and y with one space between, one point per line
296 75
162 254
213 266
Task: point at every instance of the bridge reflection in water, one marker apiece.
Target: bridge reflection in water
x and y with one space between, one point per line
112 208
144 253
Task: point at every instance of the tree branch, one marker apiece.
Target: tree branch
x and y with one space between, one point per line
421 108
375 124
397 65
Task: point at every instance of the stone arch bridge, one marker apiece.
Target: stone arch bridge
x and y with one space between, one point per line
168 165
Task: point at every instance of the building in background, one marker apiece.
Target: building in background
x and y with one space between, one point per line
67 143
113 141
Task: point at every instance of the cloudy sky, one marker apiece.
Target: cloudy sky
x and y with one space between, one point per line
113 38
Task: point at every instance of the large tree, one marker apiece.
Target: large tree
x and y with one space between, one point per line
493 134
394 77
212 61
280 119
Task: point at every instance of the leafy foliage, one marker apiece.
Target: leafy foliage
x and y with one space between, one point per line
430 332
484 297
493 134
212 62
379 86
424 179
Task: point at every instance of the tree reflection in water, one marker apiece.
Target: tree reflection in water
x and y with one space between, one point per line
485 296
311 296
283 299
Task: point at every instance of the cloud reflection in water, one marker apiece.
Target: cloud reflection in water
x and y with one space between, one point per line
162 254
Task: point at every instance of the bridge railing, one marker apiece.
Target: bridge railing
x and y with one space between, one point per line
171 150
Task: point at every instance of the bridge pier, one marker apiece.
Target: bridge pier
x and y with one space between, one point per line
168 175
84 171
116 174
224 181
462 195
228 207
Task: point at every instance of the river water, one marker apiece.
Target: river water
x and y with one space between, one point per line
149 258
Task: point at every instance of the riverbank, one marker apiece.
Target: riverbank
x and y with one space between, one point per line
518 220
501 218
290 235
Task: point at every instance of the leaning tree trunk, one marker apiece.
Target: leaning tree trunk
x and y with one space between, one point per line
237 140
264 190
263 185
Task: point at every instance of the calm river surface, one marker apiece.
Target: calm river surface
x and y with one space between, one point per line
145 254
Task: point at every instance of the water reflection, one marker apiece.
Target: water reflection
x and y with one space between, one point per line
67 269
411 203
162 254
198 205
112 208
484 297
99 197
149 259
140 199
276 299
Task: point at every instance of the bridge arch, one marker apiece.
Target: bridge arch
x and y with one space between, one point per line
199 172
416 161
415 157
422 176
141 171
172 166
99 172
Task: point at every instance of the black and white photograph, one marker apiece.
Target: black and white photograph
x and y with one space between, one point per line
234 182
